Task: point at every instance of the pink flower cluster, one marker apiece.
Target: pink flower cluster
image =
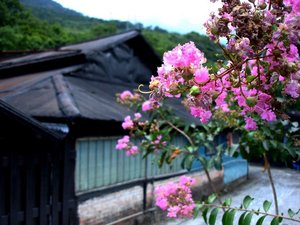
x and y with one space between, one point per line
183 68
158 143
176 198
125 144
263 63
127 97
148 105
128 123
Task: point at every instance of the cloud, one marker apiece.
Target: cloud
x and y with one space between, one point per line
173 15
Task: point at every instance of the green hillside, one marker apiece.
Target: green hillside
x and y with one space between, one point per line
40 24
53 12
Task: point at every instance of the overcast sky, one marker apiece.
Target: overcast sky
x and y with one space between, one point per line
180 16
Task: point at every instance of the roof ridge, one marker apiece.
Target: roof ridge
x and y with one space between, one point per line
66 47
64 98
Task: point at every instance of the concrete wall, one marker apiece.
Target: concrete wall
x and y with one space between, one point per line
111 208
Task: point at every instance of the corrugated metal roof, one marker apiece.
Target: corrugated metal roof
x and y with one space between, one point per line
86 90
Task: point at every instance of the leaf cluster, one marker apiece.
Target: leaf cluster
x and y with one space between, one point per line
210 211
279 140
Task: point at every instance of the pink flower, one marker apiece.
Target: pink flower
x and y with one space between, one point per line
198 112
125 94
281 78
122 143
137 116
176 198
132 151
187 181
292 89
127 98
125 144
172 211
250 124
147 106
268 115
228 16
127 124
201 75
186 55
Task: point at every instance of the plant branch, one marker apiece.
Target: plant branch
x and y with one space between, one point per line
181 132
253 211
212 185
205 169
268 168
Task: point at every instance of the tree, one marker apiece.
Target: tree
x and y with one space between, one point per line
255 87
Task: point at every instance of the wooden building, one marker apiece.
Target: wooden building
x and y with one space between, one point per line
34 162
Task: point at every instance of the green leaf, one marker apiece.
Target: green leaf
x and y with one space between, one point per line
266 145
275 221
224 217
294 129
213 216
291 150
267 205
291 213
246 202
250 78
190 149
261 220
194 91
211 198
250 101
274 27
280 218
204 215
162 159
197 210
227 202
248 218
274 143
248 71
203 162
188 161
241 219
218 163
228 217
233 149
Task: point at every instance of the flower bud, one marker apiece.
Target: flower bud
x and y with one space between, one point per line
173 89
194 91
250 101
292 67
277 52
262 6
187 76
154 84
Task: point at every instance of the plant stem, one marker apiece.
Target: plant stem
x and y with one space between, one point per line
253 211
192 144
212 185
181 132
268 168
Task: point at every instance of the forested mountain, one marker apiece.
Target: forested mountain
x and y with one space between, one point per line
55 13
40 24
